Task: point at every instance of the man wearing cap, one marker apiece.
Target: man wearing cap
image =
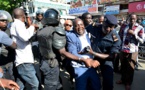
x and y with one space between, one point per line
105 46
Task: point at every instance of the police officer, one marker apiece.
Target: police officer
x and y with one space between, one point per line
52 45
39 17
4 38
7 53
5 17
106 44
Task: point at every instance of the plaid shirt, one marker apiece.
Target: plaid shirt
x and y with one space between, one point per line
130 42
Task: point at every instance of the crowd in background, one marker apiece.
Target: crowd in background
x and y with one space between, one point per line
87 49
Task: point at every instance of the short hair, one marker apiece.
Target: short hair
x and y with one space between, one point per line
84 15
74 21
18 12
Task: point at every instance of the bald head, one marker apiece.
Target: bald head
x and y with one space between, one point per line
68 25
76 20
18 13
68 21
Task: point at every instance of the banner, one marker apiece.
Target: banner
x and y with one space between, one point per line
112 9
106 1
82 6
137 7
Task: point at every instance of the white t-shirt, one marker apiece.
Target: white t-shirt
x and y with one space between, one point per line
21 36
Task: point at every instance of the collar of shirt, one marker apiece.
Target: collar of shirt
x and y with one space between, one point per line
17 20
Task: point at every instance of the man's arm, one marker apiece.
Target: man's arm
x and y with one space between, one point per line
6 40
14 45
139 36
22 33
59 42
89 62
113 50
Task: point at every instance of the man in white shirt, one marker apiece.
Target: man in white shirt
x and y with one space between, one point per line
24 57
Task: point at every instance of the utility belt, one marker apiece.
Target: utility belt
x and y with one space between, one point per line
51 61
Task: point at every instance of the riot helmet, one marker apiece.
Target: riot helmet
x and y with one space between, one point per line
51 17
39 12
4 15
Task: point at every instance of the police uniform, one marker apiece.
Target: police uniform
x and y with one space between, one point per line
105 44
7 54
51 39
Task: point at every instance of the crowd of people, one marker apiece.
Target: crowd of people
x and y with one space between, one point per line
34 50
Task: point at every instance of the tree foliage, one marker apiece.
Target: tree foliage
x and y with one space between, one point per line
9 5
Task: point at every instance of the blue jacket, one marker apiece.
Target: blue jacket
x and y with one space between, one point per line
74 45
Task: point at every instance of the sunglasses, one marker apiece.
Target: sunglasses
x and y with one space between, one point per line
68 25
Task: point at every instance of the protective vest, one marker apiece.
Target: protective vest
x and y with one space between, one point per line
51 38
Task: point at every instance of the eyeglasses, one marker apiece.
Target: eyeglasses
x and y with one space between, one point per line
68 25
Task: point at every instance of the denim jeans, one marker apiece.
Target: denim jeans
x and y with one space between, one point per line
8 71
51 76
85 75
27 74
107 74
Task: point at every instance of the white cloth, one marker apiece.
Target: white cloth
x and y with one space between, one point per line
85 43
21 36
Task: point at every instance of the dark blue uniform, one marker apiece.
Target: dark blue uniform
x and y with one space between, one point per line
105 44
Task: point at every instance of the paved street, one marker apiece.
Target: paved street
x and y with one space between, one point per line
139 79
138 83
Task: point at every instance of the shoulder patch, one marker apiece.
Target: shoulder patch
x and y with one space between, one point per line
114 37
60 30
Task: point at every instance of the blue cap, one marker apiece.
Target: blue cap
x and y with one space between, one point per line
110 19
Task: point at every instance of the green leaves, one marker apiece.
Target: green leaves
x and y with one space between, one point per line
9 5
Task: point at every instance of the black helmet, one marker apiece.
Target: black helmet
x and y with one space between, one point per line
51 17
39 12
